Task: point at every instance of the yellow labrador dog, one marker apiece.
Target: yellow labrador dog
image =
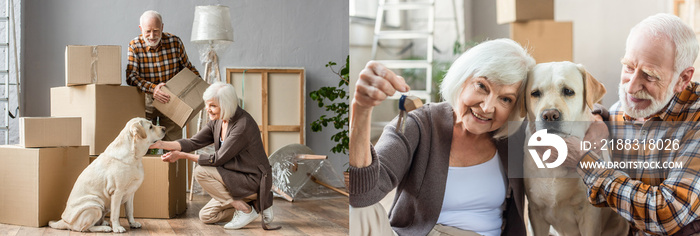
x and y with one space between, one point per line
110 181
557 94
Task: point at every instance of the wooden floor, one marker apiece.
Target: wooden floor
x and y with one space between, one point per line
318 216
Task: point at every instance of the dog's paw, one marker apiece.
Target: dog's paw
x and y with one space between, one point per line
105 229
135 225
118 229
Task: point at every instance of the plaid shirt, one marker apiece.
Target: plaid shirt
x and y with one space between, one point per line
149 66
653 200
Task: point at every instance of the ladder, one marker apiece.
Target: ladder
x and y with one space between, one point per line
8 21
425 5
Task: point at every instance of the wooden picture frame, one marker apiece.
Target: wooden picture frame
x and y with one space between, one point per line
275 97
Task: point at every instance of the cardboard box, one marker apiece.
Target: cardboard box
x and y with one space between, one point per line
49 131
185 90
101 64
36 182
509 11
104 110
546 40
163 191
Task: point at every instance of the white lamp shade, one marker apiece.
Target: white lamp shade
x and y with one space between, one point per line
212 24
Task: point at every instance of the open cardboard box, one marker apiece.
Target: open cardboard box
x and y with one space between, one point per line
186 90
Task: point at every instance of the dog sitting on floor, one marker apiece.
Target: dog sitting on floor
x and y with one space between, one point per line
559 97
110 181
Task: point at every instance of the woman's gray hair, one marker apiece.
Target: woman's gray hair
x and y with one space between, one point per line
502 61
227 97
150 14
682 36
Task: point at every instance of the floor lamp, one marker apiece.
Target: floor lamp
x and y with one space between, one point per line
212 30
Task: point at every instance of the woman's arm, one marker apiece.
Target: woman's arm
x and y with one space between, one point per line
375 85
167 145
177 155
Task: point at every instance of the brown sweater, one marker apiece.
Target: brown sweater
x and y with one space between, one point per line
417 166
241 160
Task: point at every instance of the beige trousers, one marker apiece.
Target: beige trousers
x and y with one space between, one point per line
219 208
373 220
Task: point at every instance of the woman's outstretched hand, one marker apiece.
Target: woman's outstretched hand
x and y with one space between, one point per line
376 84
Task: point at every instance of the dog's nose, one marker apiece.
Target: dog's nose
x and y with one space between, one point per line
551 115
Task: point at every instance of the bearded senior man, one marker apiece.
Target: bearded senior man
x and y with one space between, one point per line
154 58
657 99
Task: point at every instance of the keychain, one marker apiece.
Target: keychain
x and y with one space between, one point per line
406 103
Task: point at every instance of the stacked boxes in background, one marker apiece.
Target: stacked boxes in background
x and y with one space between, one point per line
532 25
93 65
38 175
93 92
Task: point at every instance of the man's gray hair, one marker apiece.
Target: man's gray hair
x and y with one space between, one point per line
502 61
227 97
150 14
682 36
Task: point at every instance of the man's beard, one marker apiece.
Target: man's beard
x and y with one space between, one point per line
653 108
148 42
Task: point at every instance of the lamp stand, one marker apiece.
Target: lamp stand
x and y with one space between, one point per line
211 75
211 66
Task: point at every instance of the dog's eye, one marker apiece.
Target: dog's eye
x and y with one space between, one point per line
567 92
535 94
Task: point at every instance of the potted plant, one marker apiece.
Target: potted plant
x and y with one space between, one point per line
335 100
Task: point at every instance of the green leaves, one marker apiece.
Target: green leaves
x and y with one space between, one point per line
326 98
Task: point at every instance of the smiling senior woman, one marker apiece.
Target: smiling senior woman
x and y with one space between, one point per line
449 166
239 171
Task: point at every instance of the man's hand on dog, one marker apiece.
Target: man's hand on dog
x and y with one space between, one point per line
596 132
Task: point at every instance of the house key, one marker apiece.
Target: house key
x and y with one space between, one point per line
406 104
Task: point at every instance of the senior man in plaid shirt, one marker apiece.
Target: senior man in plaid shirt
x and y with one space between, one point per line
154 58
658 102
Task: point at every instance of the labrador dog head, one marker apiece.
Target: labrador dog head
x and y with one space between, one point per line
136 137
560 91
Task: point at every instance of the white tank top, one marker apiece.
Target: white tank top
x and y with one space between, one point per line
474 198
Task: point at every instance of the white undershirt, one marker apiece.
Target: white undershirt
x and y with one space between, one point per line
474 197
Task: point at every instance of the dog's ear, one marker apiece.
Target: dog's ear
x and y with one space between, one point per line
138 131
593 90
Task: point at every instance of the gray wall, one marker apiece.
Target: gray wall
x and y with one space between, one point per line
267 33
600 30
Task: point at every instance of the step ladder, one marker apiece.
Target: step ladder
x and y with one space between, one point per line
8 21
427 34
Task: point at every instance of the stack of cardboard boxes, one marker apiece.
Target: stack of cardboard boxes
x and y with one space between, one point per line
86 116
37 176
532 25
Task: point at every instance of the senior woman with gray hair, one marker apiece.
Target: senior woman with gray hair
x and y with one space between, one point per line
238 172
449 165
